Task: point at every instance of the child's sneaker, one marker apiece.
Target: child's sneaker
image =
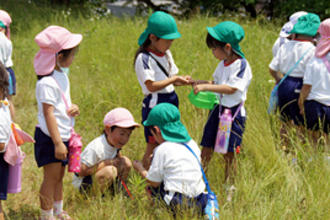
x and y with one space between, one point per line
63 216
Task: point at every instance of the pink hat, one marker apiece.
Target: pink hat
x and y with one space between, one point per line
323 46
51 41
120 117
6 20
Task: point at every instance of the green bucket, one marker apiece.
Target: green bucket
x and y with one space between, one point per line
203 99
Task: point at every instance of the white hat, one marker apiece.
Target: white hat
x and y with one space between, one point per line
287 27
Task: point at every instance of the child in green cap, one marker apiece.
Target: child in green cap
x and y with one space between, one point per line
231 81
290 62
175 175
156 70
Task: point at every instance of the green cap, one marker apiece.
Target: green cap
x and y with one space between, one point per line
167 117
2 25
162 25
307 25
203 99
228 32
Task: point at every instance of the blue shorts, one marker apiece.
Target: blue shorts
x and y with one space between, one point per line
12 81
168 98
288 94
44 149
198 202
317 116
212 124
4 175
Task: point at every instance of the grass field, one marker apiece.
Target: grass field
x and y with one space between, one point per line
269 185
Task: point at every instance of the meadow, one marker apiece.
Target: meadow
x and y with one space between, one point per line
269 185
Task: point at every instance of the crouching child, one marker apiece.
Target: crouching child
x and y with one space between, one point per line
102 160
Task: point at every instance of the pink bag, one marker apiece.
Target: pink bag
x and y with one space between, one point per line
75 146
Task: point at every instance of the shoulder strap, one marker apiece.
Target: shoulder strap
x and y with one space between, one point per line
204 176
158 64
326 62
292 68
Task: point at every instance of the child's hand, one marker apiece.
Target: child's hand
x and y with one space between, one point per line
73 111
181 80
61 152
138 165
198 88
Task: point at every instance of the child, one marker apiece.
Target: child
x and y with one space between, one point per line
294 56
231 81
285 35
58 47
102 156
6 49
5 132
314 99
156 70
175 174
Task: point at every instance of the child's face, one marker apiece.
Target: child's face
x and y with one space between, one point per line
219 53
67 61
159 44
118 137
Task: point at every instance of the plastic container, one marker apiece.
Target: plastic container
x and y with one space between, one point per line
203 99
223 134
15 175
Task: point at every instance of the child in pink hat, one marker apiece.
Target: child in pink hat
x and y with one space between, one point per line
58 47
314 99
6 49
102 157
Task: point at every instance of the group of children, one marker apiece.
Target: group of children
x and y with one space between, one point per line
301 72
173 173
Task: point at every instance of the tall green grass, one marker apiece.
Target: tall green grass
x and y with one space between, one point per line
269 185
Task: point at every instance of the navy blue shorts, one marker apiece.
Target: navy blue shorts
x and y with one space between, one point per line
212 124
288 95
317 116
44 149
199 201
4 174
12 86
168 98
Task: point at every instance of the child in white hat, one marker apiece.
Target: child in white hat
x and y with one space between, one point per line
101 158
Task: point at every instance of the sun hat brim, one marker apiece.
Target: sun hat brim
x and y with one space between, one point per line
73 41
143 37
126 124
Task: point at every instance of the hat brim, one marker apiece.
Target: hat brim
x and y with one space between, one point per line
44 62
73 41
285 31
212 32
171 36
175 132
126 124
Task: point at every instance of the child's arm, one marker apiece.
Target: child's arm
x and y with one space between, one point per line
2 146
305 90
154 86
87 171
143 172
60 149
225 89
277 75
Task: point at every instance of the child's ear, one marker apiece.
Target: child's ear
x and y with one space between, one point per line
107 130
152 37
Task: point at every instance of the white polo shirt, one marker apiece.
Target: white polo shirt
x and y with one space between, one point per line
6 49
146 68
318 76
175 166
5 124
289 53
237 75
278 43
96 151
47 91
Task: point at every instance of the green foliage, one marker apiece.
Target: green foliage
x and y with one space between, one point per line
269 185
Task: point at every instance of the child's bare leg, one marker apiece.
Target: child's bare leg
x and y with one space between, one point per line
106 176
230 167
124 167
207 153
52 176
58 194
2 217
146 161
